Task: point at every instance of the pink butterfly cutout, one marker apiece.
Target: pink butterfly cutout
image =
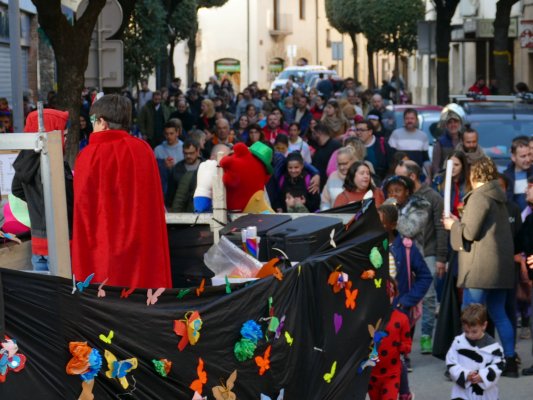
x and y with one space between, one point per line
151 299
101 291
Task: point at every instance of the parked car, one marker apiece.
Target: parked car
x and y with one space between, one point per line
311 78
296 72
497 123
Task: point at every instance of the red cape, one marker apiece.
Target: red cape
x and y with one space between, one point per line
119 228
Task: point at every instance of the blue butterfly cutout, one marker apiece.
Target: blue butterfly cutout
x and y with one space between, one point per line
280 396
3 363
84 284
121 368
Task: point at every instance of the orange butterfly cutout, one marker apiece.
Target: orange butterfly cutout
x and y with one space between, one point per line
264 362
368 274
339 280
198 384
351 295
199 291
278 274
126 293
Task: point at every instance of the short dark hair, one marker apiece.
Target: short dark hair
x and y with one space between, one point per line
412 167
295 156
474 314
410 110
295 191
173 123
368 124
114 109
400 180
390 212
191 143
281 138
322 128
349 180
519 141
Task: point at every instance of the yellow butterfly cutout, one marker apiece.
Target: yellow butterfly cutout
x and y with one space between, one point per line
223 392
289 338
328 376
107 339
119 369
377 282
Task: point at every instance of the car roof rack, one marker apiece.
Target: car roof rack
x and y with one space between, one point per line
477 97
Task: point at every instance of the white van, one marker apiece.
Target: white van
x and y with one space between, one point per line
298 74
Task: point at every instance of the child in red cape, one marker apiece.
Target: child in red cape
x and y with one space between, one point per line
119 216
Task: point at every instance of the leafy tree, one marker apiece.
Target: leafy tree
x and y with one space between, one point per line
191 41
70 41
143 40
444 10
502 50
343 16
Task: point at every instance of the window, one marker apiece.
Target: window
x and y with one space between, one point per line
328 38
302 9
276 15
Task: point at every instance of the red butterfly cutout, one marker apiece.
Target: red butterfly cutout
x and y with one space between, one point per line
126 293
151 298
351 295
200 290
264 362
198 384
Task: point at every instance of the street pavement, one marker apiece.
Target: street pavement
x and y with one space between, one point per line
427 380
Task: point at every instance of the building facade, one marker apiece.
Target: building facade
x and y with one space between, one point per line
254 40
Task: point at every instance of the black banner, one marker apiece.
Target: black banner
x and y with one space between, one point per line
43 315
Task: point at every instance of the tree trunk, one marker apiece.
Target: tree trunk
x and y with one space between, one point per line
502 53
371 76
171 66
355 52
71 49
191 43
443 37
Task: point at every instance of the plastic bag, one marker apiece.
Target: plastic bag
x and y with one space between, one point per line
226 259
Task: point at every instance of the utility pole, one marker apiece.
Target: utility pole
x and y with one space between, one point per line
16 65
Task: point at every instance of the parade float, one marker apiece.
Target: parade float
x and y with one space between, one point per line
300 329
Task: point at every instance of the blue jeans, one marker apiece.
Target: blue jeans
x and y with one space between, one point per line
40 263
429 301
494 299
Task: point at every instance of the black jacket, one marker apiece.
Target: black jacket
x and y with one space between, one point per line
27 186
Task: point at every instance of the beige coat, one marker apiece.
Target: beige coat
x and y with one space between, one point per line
484 240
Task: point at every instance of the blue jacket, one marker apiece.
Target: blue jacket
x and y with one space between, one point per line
421 281
518 198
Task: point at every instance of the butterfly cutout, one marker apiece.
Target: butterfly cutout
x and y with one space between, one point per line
280 396
377 282
278 274
375 258
188 329
280 327
101 291
152 297
351 295
200 290
339 280
328 376
80 286
228 286
107 339
385 244
198 396
119 369
182 293
162 366
331 236
198 384
377 336
289 338
264 362
126 293
368 274
223 392
9 359
337 322
364 364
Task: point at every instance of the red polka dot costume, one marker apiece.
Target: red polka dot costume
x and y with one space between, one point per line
385 377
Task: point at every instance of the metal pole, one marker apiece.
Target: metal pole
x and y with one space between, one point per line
16 65
99 49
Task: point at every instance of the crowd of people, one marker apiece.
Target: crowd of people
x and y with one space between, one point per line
342 147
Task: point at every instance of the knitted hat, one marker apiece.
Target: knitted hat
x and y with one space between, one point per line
54 120
264 153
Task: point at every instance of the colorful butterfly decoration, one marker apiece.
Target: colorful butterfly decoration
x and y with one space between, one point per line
264 362
378 282
107 339
223 392
368 274
280 327
328 376
80 286
126 293
119 369
351 295
188 329
289 338
200 289
280 396
377 336
85 362
162 366
10 359
101 291
376 258
339 280
198 384
152 297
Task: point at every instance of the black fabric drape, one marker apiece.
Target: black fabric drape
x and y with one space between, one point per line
43 316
